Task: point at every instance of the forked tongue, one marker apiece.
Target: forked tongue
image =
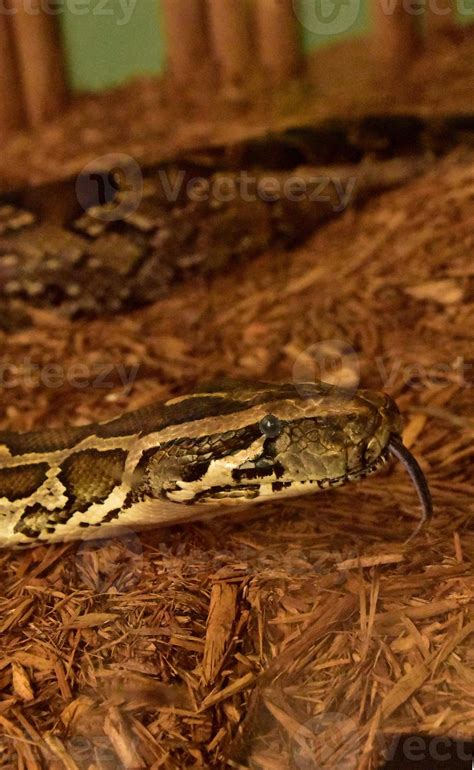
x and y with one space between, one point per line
398 450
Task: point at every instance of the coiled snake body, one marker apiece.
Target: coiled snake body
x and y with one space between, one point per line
192 457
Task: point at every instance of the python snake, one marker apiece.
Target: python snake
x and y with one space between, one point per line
194 457
214 450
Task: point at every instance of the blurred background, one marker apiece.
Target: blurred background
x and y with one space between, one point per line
55 50
151 77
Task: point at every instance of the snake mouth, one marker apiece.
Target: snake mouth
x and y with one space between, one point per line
265 490
396 448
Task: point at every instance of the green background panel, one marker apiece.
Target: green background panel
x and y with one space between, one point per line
324 21
465 11
108 41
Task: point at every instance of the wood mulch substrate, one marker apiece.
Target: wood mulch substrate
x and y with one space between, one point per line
306 634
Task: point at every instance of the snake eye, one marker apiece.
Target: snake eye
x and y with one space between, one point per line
270 426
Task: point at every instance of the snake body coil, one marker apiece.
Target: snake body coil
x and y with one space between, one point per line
194 456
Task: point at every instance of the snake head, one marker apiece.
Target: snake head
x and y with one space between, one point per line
323 437
286 440
248 443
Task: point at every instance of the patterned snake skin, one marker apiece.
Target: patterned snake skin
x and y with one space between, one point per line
196 456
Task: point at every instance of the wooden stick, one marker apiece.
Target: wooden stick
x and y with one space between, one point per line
186 37
230 35
40 60
278 39
11 112
397 37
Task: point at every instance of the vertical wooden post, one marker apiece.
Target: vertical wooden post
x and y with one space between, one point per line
397 37
40 60
230 36
186 38
278 39
11 111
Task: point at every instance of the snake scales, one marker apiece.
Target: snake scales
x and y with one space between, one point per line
194 456
213 450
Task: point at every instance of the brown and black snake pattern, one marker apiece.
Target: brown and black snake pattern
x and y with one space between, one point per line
195 456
